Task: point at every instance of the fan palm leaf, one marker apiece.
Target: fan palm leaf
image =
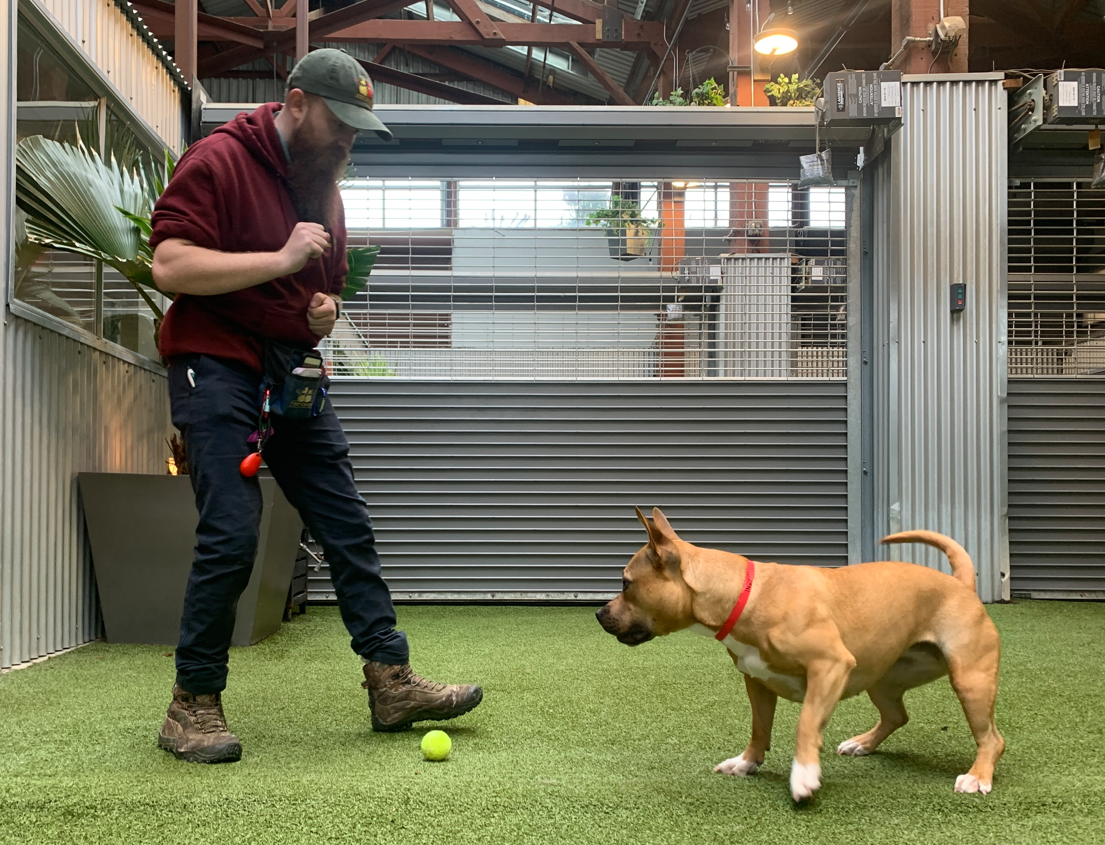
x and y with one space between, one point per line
79 203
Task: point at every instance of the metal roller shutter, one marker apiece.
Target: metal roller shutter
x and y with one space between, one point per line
525 490
1056 395
1057 487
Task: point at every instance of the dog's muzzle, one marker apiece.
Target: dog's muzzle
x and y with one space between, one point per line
635 634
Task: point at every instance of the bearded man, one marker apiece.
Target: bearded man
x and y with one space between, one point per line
250 236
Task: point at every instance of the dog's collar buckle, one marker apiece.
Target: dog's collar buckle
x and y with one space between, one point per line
738 608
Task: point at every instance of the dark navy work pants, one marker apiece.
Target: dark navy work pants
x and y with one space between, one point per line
215 405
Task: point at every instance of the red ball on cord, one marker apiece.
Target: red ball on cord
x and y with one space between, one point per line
250 464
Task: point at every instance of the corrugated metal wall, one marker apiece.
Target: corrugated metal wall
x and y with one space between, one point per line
1057 487
101 30
67 408
504 489
940 378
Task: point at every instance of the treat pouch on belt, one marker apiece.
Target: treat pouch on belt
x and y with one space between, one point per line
296 381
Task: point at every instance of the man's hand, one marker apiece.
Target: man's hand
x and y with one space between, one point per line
307 241
322 313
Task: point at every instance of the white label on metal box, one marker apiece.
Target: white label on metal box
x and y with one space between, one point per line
891 94
1068 93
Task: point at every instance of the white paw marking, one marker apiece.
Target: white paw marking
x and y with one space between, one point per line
969 783
804 780
737 767
851 748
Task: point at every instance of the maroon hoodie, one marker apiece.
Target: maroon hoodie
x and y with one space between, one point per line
230 193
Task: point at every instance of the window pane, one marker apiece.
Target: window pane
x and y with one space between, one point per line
827 208
55 103
778 206
392 204
128 320
521 205
707 206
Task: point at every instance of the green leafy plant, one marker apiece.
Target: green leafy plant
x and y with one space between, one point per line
361 260
676 98
793 91
68 198
619 215
709 93
77 202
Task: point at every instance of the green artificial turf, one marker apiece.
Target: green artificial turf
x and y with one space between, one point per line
579 739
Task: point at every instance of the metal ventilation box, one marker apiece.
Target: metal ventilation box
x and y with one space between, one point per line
1074 96
862 97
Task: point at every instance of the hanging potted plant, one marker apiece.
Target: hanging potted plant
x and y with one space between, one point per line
628 233
793 91
142 527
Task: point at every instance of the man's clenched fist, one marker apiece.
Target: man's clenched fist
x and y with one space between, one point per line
322 313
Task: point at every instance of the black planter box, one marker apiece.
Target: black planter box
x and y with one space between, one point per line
142 529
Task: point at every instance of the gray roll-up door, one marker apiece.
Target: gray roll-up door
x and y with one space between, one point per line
511 490
1057 487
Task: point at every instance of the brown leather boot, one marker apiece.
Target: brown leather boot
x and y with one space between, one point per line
397 697
195 729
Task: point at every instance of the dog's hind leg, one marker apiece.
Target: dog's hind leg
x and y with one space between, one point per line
974 675
763 703
920 664
888 699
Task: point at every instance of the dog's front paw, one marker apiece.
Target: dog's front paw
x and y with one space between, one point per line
851 748
804 780
737 767
969 783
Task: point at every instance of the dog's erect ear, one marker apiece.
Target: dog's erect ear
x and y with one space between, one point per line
660 533
663 524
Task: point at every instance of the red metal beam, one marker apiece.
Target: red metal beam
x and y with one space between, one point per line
604 79
185 31
302 22
474 68
413 82
320 27
205 27
638 35
584 11
255 7
476 18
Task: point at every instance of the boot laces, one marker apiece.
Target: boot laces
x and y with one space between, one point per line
208 714
409 677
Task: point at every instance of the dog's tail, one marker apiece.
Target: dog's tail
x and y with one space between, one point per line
962 567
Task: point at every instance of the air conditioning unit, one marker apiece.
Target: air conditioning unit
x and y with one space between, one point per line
1074 96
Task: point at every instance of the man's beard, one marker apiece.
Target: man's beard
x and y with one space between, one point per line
313 174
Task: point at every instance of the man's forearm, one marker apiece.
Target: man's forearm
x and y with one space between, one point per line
183 267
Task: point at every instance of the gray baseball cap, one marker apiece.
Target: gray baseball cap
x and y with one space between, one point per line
342 83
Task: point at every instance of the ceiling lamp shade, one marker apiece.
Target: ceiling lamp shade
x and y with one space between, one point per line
776 41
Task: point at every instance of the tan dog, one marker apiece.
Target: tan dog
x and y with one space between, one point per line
819 635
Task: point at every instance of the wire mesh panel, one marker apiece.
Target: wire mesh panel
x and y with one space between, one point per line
1056 279
579 279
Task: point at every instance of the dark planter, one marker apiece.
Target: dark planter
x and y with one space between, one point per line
627 244
142 529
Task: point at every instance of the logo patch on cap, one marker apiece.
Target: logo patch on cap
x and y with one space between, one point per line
364 90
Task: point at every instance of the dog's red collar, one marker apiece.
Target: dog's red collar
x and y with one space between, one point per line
738 608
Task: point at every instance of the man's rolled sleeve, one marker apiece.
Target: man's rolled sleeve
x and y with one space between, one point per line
186 209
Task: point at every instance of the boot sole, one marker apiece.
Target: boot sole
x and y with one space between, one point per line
231 753
429 715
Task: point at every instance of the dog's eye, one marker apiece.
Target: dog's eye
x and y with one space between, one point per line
625 584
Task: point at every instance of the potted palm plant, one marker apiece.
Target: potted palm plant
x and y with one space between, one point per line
628 232
141 527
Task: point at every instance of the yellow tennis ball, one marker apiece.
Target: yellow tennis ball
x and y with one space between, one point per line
436 745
